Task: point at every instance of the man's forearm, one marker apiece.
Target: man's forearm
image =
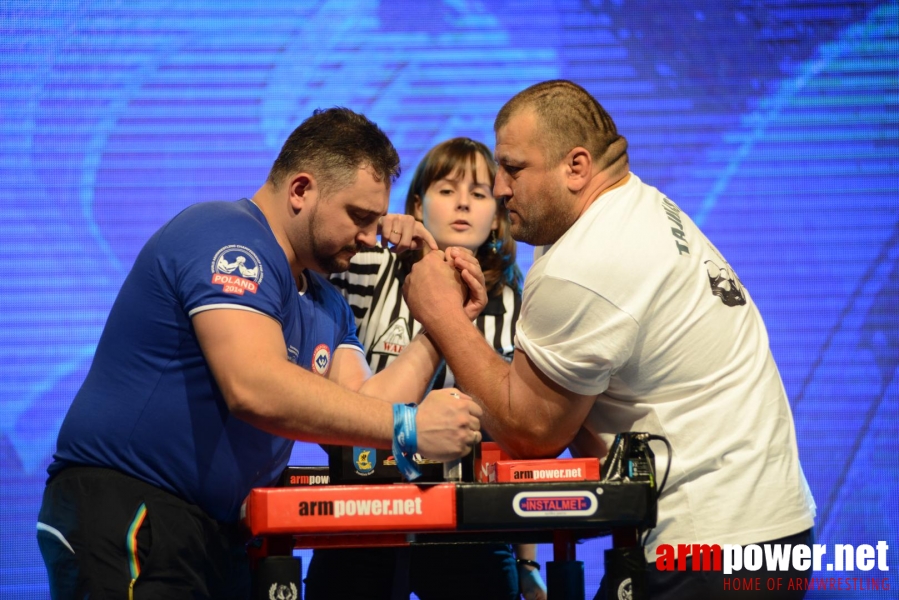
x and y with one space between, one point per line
480 372
287 400
405 379
281 404
526 412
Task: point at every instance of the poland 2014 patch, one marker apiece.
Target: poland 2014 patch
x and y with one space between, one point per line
321 359
237 269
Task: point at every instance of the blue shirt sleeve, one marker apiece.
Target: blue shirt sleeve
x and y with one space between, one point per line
220 255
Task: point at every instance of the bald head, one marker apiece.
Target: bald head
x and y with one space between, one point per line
567 117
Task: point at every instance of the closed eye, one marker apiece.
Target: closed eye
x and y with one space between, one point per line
364 217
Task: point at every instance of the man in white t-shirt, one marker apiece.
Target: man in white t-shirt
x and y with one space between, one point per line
631 321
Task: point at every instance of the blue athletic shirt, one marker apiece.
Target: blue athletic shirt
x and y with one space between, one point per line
150 406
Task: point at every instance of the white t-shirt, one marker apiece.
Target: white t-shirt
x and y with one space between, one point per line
634 304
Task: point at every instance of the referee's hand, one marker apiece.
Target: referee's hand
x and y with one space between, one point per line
404 232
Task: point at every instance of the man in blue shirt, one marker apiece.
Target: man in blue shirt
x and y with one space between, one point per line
195 395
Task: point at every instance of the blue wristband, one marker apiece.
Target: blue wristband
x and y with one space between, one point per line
405 439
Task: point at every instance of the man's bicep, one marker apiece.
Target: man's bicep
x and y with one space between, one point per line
556 411
237 345
349 368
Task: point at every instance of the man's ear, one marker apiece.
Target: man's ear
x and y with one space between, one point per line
417 211
578 168
302 189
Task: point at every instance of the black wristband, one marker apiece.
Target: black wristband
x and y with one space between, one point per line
526 562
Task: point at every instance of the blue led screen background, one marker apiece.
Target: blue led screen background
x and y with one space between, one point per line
775 125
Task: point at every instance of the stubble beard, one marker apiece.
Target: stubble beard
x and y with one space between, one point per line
546 220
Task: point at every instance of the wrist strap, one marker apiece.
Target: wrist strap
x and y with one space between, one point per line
526 562
405 439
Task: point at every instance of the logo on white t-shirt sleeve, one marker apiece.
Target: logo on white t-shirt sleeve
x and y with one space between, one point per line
725 284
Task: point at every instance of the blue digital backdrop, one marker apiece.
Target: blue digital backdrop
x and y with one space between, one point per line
774 124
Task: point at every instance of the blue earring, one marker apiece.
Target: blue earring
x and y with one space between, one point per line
494 242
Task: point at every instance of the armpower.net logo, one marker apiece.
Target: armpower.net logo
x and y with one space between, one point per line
362 508
741 563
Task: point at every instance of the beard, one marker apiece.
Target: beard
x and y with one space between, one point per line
334 263
544 221
329 262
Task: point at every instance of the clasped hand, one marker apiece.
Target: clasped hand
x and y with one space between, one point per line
443 282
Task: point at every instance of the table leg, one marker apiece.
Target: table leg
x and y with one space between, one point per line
276 572
625 567
564 574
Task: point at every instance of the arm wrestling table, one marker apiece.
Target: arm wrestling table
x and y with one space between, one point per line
353 516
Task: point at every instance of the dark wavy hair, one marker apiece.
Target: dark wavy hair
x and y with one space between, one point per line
456 156
333 144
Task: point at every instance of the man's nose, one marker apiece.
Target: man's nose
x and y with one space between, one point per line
501 188
368 237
